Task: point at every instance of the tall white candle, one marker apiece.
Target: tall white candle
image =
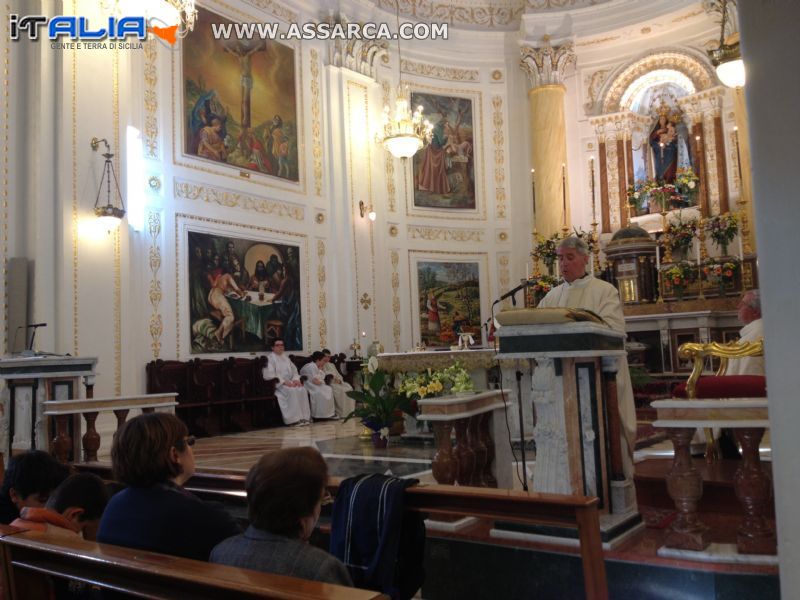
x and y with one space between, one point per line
698 255
741 251
658 258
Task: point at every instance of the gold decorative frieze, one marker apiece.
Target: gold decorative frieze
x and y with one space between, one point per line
700 73
388 160
710 149
544 5
598 41
439 72
499 15
229 198
316 122
322 300
498 139
150 133
276 9
443 234
545 64
156 325
689 15
395 258
733 157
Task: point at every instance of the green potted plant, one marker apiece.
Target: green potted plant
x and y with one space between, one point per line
378 405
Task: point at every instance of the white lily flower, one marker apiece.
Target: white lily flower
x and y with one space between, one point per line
385 432
372 364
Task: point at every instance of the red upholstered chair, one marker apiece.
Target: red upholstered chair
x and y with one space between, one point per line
720 385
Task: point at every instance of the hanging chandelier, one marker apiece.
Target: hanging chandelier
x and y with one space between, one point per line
727 58
404 132
110 215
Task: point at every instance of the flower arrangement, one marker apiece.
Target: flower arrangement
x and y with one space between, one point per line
678 277
721 273
430 383
638 192
663 194
544 284
722 229
378 403
686 180
682 233
546 250
586 236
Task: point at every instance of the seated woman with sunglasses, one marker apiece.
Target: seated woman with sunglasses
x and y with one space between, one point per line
152 455
285 492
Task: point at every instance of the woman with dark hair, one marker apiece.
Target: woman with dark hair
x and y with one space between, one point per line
285 491
152 454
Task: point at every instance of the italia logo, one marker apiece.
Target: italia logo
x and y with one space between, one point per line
78 28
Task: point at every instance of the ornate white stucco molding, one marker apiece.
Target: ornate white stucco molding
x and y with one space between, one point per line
360 56
546 65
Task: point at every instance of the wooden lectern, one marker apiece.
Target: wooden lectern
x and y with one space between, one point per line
31 381
571 369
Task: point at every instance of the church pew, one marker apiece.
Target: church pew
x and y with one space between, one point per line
31 560
580 512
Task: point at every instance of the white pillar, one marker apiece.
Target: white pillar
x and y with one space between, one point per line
774 130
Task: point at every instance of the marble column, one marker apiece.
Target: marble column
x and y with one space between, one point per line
545 66
741 138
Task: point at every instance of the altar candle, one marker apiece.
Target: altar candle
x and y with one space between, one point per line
658 258
741 251
591 165
564 190
698 255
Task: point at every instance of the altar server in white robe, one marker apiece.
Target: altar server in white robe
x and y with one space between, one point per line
321 394
580 290
344 403
292 396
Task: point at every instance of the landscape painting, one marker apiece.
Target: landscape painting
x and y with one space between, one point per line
243 294
444 171
239 101
449 301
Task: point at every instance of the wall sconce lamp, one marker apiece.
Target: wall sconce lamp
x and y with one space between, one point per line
109 215
367 211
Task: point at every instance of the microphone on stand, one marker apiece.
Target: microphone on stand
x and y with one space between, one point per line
29 351
512 292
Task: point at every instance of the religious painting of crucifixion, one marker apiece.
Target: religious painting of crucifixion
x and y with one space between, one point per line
444 171
239 100
449 299
243 293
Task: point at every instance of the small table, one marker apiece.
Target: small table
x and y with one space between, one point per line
479 420
255 312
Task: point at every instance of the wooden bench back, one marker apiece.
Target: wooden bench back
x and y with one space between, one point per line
29 557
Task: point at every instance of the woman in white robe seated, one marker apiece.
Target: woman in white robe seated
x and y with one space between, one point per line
344 403
292 396
321 394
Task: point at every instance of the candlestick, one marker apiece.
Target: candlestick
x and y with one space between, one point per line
591 168
564 193
658 258
533 193
741 249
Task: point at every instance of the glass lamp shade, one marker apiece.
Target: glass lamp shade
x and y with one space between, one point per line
731 73
402 146
110 217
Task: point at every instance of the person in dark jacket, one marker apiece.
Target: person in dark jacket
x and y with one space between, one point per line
152 454
285 490
28 482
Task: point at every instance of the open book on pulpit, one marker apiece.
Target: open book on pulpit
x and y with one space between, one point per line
547 316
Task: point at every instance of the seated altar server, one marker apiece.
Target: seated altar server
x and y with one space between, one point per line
580 290
321 394
292 396
344 403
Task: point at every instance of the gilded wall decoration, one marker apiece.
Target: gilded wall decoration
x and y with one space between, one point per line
388 160
444 234
501 15
316 122
365 301
232 199
322 299
395 259
503 274
498 138
393 230
689 15
560 4
439 72
613 184
497 76
710 149
359 56
593 84
156 324
243 293
734 161
693 67
597 41
502 236
150 134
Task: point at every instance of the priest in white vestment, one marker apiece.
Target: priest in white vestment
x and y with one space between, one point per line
344 404
321 394
292 396
753 330
580 290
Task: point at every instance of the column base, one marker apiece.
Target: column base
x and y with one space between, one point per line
623 497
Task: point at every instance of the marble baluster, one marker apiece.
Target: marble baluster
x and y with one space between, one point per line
479 450
488 442
444 464
465 455
62 442
685 487
122 415
91 439
754 490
